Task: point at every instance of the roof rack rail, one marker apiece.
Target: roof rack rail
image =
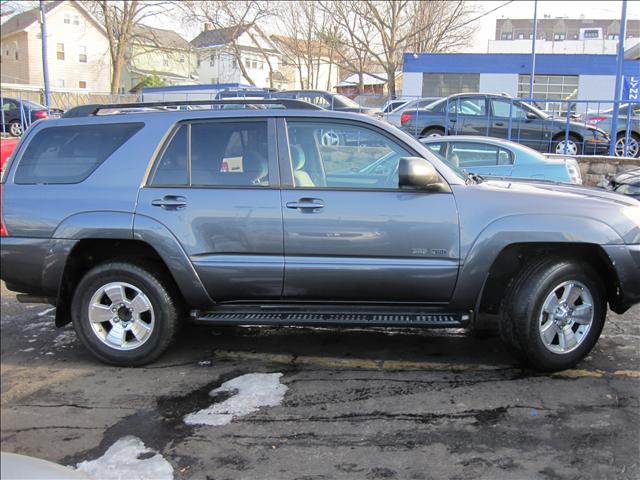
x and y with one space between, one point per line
93 109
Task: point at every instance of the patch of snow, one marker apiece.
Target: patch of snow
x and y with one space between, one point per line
28 349
44 312
128 459
251 391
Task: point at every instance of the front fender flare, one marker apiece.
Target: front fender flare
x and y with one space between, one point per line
505 231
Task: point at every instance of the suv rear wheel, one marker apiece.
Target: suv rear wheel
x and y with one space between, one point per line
553 313
125 314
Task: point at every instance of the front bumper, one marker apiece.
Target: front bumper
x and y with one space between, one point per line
626 262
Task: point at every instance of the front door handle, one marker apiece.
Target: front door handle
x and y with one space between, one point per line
170 202
306 204
499 124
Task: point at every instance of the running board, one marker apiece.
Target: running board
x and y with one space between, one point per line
329 316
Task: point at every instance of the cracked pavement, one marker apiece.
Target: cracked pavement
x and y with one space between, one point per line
361 404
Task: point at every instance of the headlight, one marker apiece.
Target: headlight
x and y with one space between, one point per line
573 169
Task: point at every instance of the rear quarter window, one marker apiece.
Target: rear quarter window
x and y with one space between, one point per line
59 155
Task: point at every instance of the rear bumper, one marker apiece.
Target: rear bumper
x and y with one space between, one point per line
626 262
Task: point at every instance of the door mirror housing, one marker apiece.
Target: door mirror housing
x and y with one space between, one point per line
531 116
418 173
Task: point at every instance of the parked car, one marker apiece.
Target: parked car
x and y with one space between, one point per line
602 120
245 217
390 105
13 122
501 158
626 183
488 115
327 101
7 146
394 117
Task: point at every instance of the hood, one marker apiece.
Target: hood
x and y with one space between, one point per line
631 177
619 212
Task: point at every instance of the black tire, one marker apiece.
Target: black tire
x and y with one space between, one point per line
15 125
432 132
559 140
522 308
157 288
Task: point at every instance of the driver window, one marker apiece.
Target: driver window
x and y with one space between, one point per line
501 109
338 155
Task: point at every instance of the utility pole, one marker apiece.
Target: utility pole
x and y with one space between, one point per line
617 92
533 48
45 68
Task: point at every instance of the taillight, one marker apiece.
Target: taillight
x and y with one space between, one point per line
41 114
405 117
3 228
595 120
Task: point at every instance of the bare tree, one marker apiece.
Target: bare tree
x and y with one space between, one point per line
237 17
305 25
123 22
383 30
346 35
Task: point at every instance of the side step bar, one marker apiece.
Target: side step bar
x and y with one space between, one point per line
317 316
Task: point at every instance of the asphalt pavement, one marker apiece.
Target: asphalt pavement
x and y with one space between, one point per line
312 404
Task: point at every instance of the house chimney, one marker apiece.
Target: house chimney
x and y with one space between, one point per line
207 26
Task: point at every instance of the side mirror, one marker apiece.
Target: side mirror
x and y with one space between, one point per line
416 172
531 116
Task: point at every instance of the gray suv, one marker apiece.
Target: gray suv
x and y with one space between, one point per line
131 222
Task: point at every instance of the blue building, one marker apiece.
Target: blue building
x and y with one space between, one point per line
557 76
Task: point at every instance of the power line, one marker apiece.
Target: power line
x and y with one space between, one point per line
485 14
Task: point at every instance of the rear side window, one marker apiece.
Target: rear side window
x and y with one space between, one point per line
59 155
220 154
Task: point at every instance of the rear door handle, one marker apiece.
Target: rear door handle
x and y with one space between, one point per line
499 124
306 204
170 202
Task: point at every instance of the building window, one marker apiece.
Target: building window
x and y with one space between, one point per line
60 83
445 84
82 54
15 46
247 62
165 61
551 91
612 36
60 51
591 34
558 37
67 19
506 36
531 36
521 36
76 19
82 84
182 59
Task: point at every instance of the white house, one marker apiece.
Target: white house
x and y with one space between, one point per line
77 49
219 50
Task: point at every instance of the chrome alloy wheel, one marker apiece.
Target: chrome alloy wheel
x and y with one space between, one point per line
572 148
566 317
121 316
632 147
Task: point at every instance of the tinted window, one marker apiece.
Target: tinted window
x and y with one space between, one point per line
71 154
229 154
172 169
342 156
469 106
469 154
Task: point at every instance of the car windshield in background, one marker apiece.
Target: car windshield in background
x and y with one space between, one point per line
342 102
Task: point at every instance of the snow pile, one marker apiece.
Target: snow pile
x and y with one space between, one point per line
251 391
128 459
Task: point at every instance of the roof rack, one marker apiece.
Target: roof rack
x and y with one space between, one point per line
93 109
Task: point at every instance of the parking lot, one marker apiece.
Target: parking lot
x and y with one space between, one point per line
349 404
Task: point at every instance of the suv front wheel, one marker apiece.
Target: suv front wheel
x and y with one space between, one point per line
125 314
553 313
